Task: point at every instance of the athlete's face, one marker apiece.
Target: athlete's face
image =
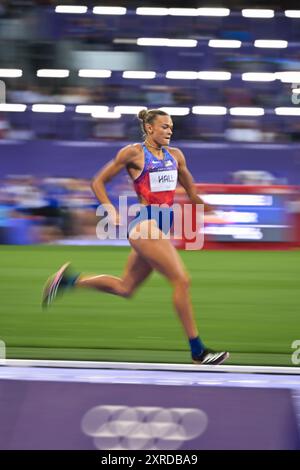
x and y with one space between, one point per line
161 130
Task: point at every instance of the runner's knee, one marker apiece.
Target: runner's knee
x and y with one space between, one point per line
126 291
183 280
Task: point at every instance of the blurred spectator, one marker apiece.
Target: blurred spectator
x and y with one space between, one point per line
253 177
271 132
159 94
238 96
45 210
3 8
29 95
72 95
4 127
109 130
243 131
294 132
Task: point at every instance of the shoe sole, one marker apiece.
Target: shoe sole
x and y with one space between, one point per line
51 286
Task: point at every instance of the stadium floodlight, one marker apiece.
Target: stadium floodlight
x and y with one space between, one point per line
53 73
214 110
48 108
71 9
173 111
152 41
89 109
288 111
258 77
244 111
183 12
213 11
13 107
182 43
7 73
213 75
271 43
181 75
106 115
128 109
232 43
292 13
94 73
152 11
166 42
288 77
139 74
238 199
257 13
109 10
124 41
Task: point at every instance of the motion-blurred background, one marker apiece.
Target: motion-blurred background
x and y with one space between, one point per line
73 83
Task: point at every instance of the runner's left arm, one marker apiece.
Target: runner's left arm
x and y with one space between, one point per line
186 180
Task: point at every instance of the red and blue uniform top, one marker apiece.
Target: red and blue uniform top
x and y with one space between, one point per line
157 182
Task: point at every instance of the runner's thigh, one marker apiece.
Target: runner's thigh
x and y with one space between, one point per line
160 254
136 270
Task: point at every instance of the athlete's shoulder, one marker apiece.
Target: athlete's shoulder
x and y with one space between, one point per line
137 147
132 148
129 151
176 153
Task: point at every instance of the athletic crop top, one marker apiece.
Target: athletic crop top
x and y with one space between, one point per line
158 180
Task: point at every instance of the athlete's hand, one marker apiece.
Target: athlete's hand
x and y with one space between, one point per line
113 214
208 209
214 218
115 219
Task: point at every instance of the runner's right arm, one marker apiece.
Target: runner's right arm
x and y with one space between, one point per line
109 171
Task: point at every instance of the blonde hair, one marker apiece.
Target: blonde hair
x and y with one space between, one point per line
148 116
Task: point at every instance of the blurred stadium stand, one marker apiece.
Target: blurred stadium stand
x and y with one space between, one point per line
45 145
37 38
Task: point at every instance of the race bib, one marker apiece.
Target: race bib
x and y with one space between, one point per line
163 180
